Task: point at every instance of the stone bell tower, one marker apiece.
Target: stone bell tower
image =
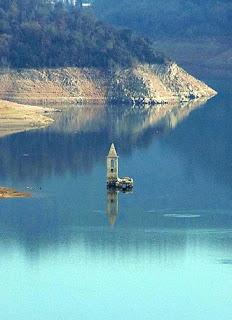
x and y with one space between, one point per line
112 164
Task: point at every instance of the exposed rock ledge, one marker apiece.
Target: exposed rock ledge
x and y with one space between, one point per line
142 84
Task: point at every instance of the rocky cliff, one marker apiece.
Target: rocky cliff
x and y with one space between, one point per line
142 84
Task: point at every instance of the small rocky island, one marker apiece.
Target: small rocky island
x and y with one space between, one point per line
11 193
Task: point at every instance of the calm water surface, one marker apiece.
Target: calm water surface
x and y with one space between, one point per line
163 252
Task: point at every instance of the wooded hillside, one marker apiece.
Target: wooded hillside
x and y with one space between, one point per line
44 33
169 18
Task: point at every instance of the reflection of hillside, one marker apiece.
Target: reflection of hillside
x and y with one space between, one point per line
122 121
38 231
210 134
81 137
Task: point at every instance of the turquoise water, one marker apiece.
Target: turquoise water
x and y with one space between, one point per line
161 252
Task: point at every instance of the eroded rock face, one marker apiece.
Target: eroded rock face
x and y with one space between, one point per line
142 84
64 85
157 84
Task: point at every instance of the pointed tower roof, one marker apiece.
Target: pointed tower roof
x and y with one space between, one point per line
112 152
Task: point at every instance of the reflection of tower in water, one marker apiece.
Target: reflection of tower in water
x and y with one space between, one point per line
115 185
112 206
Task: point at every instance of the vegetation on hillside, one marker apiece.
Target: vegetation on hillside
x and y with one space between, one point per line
46 33
169 18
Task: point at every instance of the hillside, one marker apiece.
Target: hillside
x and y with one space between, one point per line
170 18
193 33
39 33
56 52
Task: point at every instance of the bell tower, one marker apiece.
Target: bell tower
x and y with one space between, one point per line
112 164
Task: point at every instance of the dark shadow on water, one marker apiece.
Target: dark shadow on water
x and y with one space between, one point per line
111 231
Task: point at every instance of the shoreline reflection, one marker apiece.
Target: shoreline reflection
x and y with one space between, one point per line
80 138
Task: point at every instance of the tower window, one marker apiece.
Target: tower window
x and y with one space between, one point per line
112 164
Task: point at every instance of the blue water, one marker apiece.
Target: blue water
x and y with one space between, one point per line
161 252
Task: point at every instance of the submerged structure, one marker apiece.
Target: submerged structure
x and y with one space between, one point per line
113 181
